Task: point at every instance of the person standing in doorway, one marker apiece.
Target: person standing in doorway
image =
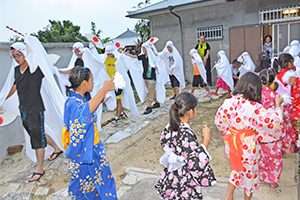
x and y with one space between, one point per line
204 51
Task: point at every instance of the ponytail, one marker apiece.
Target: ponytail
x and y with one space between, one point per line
183 103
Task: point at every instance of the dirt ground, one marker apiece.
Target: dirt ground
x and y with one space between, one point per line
141 150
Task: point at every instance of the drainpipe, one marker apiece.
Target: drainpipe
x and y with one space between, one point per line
181 36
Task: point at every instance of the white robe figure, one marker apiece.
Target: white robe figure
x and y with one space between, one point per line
176 68
224 69
94 64
199 62
247 64
122 66
295 51
160 74
53 99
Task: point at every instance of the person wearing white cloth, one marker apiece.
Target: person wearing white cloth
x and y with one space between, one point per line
173 62
295 52
151 75
247 64
199 72
225 80
38 95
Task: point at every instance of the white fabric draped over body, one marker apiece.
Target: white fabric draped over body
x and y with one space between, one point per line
247 64
199 62
53 98
176 68
224 69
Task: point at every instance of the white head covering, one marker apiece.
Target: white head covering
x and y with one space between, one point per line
200 65
286 49
19 46
294 50
247 64
177 67
79 46
152 57
223 69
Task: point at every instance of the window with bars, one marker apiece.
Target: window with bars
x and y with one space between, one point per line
211 33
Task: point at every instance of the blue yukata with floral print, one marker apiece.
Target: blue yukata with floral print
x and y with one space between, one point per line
91 176
185 182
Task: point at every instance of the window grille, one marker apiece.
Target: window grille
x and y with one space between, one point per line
279 15
211 33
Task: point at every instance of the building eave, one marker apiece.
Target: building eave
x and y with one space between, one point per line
140 14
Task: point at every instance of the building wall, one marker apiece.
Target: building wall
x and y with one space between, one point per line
229 14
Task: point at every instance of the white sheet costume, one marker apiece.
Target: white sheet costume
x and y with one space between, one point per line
122 66
199 62
176 68
247 64
224 69
53 99
295 51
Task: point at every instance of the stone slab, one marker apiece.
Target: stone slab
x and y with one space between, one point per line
17 196
41 191
122 190
60 195
117 137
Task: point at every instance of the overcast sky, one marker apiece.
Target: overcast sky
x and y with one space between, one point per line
28 16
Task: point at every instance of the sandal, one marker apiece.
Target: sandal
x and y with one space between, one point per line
57 154
35 173
295 150
273 187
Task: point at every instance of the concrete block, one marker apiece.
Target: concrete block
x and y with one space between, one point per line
117 137
130 179
41 191
17 196
60 195
122 190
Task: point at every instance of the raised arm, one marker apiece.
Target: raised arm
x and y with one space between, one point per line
130 55
12 91
98 98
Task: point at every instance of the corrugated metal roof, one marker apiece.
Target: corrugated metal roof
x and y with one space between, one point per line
163 6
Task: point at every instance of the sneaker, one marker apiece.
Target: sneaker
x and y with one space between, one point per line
123 115
156 105
116 119
229 96
214 93
207 94
173 97
148 110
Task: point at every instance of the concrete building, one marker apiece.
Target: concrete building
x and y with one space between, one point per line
232 25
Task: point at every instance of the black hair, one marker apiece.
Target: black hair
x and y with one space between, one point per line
267 37
263 62
267 77
77 75
235 61
183 103
249 86
284 60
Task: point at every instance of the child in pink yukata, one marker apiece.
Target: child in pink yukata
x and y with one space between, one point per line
245 122
186 162
270 161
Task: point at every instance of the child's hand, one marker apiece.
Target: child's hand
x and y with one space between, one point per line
206 135
292 80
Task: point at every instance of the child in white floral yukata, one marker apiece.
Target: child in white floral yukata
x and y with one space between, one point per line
186 163
245 122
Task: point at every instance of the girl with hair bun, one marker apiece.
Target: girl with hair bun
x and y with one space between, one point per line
91 177
186 163
289 83
270 161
